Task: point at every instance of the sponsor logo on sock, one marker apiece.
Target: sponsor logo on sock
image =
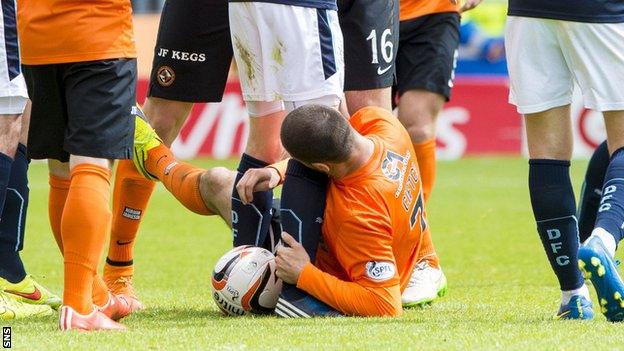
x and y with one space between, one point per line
119 242
35 295
132 213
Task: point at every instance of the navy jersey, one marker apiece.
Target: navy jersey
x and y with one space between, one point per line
592 11
316 4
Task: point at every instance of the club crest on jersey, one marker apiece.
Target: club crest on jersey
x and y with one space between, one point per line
165 76
380 270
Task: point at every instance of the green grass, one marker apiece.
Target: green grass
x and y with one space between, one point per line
502 294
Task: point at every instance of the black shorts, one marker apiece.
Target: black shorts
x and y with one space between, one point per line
193 51
428 53
82 108
370 29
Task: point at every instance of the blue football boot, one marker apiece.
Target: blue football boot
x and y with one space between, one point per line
579 307
598 266
294 303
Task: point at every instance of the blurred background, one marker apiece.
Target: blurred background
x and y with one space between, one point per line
477 121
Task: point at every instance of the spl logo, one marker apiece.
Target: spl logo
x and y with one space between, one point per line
165 75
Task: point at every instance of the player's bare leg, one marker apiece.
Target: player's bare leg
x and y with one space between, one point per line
549 140
358 99
418 111
131 197
215 187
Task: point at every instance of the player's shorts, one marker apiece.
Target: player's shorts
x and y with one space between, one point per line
82 108
428 53
371 39
285 52
193 51
545 57
13 95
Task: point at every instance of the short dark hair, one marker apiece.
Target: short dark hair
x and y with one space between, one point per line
317 133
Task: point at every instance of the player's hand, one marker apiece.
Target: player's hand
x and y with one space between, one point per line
469 5
290 259
256 179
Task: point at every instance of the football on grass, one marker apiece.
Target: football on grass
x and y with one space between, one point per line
244 281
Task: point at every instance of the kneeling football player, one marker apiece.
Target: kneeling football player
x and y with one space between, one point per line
374 227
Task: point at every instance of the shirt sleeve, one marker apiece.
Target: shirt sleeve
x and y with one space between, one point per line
350 298
364 250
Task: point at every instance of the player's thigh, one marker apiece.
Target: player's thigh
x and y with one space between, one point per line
100 98
166 116
23 139
595 54
285 52
427 53
538 72
358 99
48 112
371 36
193 52
549 134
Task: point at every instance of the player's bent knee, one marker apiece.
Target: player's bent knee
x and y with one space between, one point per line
330 100
419 133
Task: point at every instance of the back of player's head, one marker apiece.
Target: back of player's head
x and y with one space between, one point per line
316 134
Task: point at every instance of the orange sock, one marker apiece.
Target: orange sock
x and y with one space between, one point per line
130 198
181 179
426 156
427 250
59 187
84 225
100 291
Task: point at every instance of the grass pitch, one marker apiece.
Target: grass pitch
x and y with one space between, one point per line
502 294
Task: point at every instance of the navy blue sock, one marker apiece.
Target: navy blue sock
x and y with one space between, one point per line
250 223
610 214
13 220
554 207
302 210
303 205
592 190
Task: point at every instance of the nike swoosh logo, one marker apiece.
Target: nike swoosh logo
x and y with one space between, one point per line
123 242
382 71
35 295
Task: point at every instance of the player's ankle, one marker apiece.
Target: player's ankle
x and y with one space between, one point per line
566 295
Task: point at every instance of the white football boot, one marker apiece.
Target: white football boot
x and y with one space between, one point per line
426 285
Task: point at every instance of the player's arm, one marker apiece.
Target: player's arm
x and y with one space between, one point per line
350 297
365 295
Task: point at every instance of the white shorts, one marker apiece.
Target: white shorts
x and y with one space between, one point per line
545 57
285 52
13 93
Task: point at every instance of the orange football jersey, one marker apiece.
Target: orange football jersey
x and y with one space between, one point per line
409 9
61 31
374 221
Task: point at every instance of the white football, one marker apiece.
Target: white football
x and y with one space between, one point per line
244 281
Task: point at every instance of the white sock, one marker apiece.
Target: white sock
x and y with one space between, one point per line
567 294
607 239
